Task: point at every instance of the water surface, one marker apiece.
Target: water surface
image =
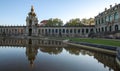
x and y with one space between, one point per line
49 55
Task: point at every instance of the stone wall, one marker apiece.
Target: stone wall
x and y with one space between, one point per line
118 56
113 48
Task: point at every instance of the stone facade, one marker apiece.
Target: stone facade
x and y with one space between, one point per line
12 30
65 31
107 23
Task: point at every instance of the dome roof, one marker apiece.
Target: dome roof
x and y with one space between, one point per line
32 13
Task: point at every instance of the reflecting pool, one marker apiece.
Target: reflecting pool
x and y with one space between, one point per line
50 55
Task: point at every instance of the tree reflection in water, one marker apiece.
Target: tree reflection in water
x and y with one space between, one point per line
51 50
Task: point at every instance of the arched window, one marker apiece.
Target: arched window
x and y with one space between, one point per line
67 31
60 33
70 30
6 30
96 22
102 29
63 30
59 30
110 18
107 19
116 27
78 30
10 31
56 30
96 30
86 30
52 30
116 16
15 30
99 21
82 31
30 32
99 29
3 30
105 29
102 20
91 30
46 31
49 30
42 30
74 30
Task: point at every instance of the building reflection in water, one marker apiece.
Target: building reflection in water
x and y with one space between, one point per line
56 47
31 52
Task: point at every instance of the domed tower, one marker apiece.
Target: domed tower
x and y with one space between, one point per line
31 23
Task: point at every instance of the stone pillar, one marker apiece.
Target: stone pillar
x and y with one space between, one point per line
118 26
65 32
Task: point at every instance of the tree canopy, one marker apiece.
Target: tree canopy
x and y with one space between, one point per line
89 21
74 22
54 22
71 22
78 22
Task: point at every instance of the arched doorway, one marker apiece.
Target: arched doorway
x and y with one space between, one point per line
82 31
116 27
106 29
110 28
30 32
102 29
91 30
60 34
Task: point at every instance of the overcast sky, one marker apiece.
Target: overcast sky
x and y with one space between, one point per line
14 12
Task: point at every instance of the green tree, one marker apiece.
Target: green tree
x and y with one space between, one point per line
91 21
84 21
54 22
74 22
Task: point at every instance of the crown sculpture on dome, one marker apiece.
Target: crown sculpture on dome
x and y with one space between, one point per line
32 8
32 11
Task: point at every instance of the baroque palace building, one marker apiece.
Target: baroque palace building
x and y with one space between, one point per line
106 23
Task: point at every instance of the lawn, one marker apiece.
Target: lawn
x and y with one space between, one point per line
110 42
